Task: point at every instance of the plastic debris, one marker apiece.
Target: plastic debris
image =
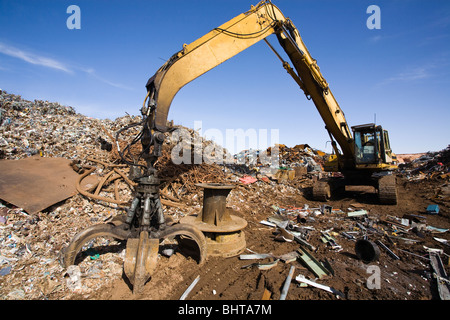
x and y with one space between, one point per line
433 209
74 277
247 179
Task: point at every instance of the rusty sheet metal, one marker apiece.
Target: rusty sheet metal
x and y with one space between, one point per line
36 183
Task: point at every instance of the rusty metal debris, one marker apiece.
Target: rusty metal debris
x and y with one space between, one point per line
109 177
440 274
222 228
36 183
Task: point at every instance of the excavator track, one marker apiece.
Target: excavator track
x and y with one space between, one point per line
387 190
321 191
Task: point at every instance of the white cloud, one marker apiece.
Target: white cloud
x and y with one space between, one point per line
33 58
92 73
417 73
413 74
53 64
375 39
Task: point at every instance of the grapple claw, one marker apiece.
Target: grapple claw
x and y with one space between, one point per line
69 254
140 260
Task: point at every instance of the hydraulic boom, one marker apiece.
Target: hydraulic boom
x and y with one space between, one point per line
356 160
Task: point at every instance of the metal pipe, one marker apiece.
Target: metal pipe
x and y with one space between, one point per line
189 289
286 285
419 256
381 244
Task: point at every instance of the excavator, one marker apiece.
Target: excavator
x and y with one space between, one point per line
364 158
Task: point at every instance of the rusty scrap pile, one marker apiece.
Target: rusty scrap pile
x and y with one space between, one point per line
178 180
301 155
31 243
49 129
181 179
432 165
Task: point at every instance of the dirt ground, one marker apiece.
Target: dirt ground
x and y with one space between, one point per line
409 278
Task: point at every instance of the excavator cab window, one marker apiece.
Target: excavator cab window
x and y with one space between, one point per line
365 147
368 143
387 154
387 146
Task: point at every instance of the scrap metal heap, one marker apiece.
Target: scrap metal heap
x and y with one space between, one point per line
30 242
144 226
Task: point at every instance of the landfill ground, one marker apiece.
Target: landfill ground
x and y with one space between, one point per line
409 278
31 243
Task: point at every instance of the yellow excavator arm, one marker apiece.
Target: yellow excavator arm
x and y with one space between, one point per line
233 37
144 226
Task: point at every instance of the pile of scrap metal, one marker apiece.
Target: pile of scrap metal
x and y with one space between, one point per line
301 155
432 165
178 180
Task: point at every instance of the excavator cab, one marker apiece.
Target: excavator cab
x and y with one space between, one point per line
372 147
373 165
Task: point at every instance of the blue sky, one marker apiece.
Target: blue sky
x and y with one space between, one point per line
398 75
